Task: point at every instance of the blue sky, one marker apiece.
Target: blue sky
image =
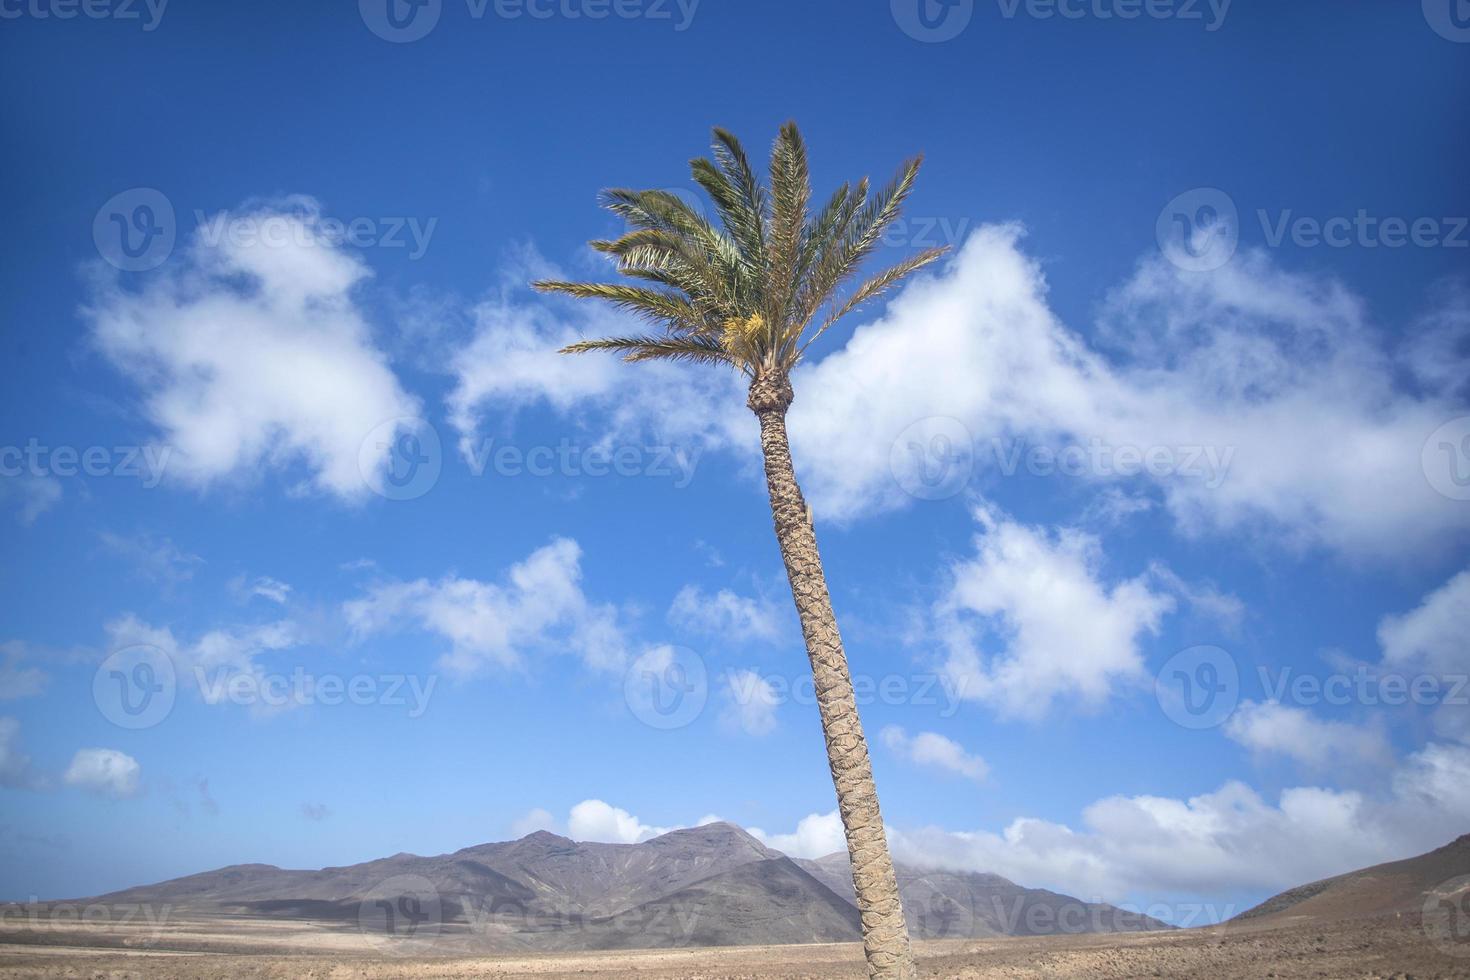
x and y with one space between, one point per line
330 232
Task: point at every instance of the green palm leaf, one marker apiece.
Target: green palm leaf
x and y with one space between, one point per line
747 290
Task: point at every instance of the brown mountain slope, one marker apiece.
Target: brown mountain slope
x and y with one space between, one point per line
774 900
954 904
1396 887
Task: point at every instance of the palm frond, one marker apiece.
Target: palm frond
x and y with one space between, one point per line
745 290
635 349
737 192
878 285
791 190
657 305
861 235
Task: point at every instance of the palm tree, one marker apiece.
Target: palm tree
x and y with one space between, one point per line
747 295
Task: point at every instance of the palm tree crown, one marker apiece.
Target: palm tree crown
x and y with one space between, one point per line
748 292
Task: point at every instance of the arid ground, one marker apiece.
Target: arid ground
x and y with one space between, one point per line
217 947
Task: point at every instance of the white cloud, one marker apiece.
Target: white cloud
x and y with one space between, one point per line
1283 377
1205 599
934 750
816 835
594 820
156 559
1053 627
253 355
1439 342
490 624
106 772
511 362
31 495
751 703
1272 727
1432 637
272 589
1212 847
724 613
16 679
1283 369
15 765
261 587
1219 842
1111 506
1429 641
210 662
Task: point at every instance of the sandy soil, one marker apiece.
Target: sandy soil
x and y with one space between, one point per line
213 949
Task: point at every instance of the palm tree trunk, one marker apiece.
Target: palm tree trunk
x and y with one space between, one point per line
885 938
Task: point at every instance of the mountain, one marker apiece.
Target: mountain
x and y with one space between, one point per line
705 886
1384 889
967 904
764 902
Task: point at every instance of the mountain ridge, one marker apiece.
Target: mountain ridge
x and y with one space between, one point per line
1391 887
716 884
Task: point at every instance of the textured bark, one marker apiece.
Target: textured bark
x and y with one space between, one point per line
885 938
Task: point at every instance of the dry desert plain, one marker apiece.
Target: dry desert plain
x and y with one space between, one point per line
217 947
